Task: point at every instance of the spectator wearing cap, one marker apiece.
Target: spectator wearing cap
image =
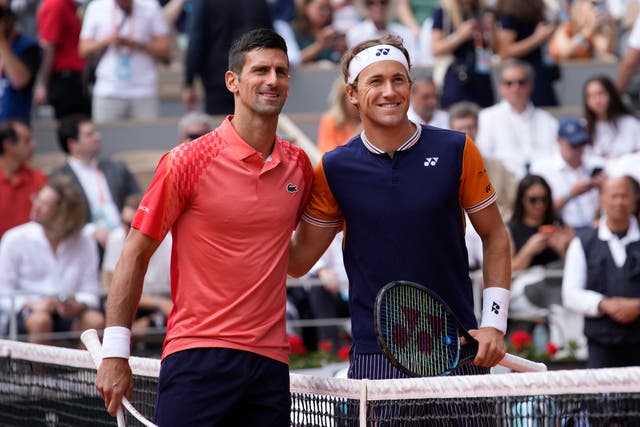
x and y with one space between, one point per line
573 177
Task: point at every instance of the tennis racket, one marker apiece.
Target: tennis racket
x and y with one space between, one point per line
92 342
420 335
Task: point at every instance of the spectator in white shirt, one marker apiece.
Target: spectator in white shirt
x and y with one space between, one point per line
52 265
612 126
602 279
514 131
424 104
463 117
126 37
574 180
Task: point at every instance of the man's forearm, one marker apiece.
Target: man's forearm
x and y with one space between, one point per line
47 62
496 267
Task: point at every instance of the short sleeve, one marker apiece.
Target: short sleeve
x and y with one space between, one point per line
476 190
50 22
160 26
165 198
322 209
508 23
89 23
438 18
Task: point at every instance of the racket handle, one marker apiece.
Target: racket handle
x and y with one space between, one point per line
90 340
520 364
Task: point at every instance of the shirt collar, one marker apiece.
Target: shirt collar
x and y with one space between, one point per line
633 234
78 165
239 149
526 114
405 145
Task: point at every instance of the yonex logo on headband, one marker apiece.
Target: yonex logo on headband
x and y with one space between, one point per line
373 54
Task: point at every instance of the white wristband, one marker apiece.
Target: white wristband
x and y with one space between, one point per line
116 342
495 308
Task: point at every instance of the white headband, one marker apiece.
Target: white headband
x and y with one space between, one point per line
381 52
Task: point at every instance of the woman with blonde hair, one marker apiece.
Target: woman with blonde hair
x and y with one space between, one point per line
341 122
462 44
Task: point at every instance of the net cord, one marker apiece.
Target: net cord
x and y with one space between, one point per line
585 381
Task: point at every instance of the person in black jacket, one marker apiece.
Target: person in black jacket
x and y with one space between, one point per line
105 183
214 25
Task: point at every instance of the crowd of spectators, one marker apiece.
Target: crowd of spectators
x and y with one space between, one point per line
98 61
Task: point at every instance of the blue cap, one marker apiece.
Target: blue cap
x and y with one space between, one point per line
572 129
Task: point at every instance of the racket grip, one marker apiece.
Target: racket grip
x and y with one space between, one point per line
90 340
520 364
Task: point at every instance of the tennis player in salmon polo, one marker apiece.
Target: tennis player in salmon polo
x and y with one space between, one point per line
231 199
400 191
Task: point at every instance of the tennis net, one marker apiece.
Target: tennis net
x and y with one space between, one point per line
53 386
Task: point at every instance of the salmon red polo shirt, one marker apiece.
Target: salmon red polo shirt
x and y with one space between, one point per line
231 216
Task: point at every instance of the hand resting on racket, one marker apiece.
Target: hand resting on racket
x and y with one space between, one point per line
421 336
113 381
491 346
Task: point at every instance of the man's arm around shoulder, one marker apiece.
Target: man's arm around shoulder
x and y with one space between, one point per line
308 244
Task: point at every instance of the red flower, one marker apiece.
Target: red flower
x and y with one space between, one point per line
343 353
326 346
296 344
520 339
552 349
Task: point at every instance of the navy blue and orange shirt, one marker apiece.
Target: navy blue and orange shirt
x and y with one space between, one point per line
403 218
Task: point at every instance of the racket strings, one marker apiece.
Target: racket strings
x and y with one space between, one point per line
417 332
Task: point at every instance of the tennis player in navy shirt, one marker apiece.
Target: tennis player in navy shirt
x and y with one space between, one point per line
400 192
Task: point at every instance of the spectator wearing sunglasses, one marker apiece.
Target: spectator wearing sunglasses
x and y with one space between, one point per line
514 130
573 177
193 125
538 235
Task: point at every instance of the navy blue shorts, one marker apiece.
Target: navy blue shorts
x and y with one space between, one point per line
222 387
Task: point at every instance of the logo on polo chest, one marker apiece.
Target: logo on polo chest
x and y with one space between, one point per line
292 188
430 161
